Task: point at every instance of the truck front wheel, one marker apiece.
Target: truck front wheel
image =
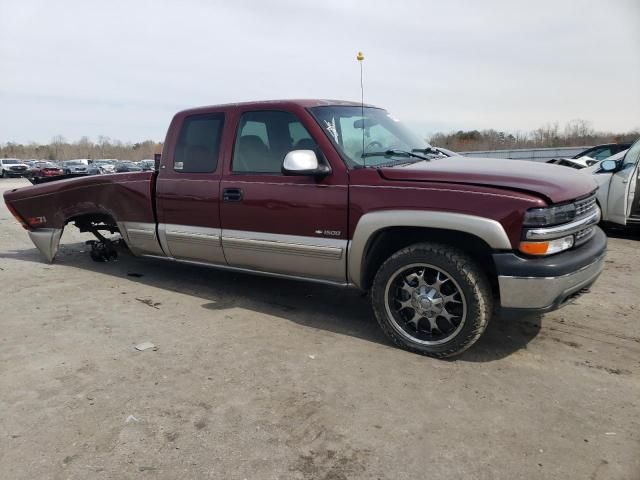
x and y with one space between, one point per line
432 299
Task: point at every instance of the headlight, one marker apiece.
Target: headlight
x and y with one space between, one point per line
542 217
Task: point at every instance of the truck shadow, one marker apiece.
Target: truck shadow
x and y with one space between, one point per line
339 310
627 233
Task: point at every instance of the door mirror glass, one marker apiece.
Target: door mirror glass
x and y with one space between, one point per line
303 162
608 166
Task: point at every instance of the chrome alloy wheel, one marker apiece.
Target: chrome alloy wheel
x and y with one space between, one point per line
425 305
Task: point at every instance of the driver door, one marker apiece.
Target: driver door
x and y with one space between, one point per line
622 201
271 222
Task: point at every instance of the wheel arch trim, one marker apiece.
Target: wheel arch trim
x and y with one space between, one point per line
490 231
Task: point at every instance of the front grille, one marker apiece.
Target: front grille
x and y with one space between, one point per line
586 206
583 236
18 168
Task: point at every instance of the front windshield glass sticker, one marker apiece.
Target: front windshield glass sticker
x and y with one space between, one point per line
331 128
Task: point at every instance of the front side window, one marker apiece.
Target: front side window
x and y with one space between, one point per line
264 138
198 144
374 138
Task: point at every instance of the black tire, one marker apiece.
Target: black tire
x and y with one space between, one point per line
466 279
4 174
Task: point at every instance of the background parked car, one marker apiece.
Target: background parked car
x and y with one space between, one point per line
74 166
105 165
592 155
98 167
13 167
32 167
600 152
127 167
147 164
45 169
94 169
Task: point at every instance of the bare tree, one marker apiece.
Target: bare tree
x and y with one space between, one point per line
57 143
578 128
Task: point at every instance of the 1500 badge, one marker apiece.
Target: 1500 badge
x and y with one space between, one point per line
329 233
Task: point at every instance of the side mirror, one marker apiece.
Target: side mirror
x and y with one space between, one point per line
608 166
303 162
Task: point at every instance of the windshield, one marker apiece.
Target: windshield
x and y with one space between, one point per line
10 162
385 138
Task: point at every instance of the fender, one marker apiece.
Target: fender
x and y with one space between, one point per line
491 231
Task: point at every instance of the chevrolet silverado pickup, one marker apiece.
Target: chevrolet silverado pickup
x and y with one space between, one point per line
344 194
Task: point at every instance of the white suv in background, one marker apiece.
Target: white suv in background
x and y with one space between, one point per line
12 167
619 186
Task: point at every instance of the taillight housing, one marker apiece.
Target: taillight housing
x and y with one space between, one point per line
17 216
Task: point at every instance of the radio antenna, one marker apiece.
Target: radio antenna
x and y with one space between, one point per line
360 58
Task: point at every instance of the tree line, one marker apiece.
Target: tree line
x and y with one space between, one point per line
574 134
61 149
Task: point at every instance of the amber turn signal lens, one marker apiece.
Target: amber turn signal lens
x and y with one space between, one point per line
548 247
534 248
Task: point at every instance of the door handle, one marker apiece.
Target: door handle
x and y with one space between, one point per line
231 195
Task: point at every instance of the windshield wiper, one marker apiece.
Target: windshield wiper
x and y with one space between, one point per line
395 152
431 150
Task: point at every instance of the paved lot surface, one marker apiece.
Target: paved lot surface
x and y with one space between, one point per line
258 378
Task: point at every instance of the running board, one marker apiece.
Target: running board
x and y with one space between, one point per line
254 272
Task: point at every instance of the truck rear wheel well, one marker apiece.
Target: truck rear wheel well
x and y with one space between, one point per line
387 241
94 222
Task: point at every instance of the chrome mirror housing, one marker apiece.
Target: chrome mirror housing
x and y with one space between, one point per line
303 162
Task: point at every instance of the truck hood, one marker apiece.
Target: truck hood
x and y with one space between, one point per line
553 182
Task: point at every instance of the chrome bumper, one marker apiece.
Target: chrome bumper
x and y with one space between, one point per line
546 293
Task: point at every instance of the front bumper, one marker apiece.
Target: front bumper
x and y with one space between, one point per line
545 284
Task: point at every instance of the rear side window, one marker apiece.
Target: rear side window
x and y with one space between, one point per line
198 144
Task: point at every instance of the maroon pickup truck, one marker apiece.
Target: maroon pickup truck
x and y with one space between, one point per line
344 194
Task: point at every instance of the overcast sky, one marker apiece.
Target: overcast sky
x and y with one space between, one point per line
123 68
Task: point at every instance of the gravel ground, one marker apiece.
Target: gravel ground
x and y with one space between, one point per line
260 378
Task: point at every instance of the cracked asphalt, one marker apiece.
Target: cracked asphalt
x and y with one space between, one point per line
257 378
